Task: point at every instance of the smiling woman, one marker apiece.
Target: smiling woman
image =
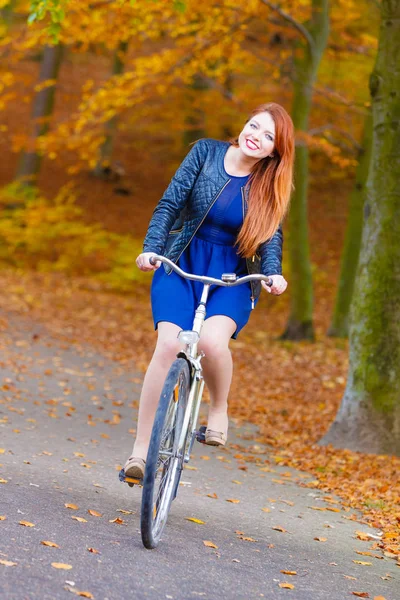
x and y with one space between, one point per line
221 213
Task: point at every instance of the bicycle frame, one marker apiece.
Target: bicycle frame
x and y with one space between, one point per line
191 342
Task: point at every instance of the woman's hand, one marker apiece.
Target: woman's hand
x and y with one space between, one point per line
143 262
279 285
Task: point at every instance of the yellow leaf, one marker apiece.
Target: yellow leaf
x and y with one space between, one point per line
205 457
233 500
238 482
26 524
281 529
64 566
361 594
72 506
125 512
3 480
318 507
94 513
289 572
361 562
213 495
320 539
7 563
266 509
379 598
80 519
2 518
118 520
191 468
2 450
287 586
199 521
247 539
209 544
50 544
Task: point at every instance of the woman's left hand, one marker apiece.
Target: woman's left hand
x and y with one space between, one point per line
279 285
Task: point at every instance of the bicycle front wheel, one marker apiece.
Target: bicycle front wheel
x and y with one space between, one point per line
164 459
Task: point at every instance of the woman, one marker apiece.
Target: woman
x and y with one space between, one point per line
221 213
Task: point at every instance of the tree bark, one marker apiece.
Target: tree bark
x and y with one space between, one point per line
43 105
351 250
106 149
306 65
369 417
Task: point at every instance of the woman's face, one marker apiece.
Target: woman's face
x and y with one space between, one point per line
256 140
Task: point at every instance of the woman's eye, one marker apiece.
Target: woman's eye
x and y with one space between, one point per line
252 125
269 137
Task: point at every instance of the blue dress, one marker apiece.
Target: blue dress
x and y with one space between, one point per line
211 252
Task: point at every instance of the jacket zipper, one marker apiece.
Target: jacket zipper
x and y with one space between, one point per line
201 222
252 258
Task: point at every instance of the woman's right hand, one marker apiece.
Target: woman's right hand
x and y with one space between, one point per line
143 262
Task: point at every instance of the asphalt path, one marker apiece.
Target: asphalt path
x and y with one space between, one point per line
67 417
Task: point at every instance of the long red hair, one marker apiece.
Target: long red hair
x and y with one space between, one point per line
270 184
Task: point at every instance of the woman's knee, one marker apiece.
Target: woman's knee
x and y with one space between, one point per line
213 348
167 349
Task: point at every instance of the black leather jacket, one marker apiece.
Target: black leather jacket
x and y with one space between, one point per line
194 188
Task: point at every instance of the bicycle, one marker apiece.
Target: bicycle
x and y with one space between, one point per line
174 429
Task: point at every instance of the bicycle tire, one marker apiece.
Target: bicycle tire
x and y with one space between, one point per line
164 461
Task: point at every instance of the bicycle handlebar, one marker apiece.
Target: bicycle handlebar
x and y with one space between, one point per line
210 280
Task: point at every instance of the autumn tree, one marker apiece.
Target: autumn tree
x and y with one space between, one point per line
369 417
340 320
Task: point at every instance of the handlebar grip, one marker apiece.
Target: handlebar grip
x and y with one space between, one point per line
269 282
153 261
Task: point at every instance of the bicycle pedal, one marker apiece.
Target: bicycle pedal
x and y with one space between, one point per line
201 434
129 480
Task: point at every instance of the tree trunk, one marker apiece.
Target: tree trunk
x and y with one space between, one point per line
351 249
106 149
195 120
306 65
43 104
369 417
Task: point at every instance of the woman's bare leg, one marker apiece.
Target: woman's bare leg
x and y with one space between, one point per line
217 367
164 354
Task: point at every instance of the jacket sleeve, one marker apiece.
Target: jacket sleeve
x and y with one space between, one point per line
271 254
174 199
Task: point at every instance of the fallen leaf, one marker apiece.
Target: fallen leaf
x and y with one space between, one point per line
94 513
80 519
72 506
213 495
361 562
2 450
289 572
3 480
7 563
209 544
233 500
118 520
125 512
2 518
191 467
349 577
64 566
247 539
361 594
237 482
266 509
379 598
199 521
26 524
205 457
94 551
320 539
287 586
279 528
50 544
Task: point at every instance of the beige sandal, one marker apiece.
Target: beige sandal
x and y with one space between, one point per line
215 438
134 467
